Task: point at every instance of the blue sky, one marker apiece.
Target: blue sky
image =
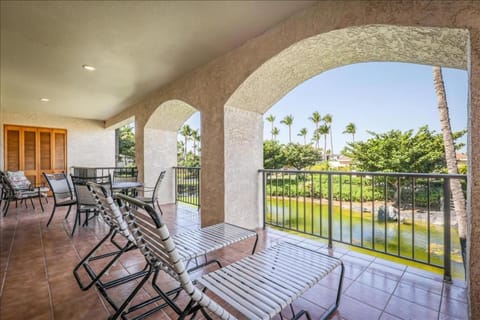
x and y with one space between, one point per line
376 96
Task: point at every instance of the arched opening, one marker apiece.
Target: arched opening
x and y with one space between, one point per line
160 144
304 60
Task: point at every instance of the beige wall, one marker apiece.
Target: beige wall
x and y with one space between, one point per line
209 87
88 143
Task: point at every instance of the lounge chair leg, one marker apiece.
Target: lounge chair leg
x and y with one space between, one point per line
5 207
51 216
77 220
41 205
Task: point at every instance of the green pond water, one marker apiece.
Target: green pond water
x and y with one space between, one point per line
407 240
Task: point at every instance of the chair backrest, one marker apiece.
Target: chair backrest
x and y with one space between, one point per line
125 174
59 186
156 189
18 180
84 197
154 241
109 210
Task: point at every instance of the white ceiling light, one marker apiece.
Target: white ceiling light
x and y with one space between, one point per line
89 68
44 99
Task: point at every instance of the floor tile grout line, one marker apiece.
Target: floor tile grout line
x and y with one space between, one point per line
441 301
393 292
4 276
50 296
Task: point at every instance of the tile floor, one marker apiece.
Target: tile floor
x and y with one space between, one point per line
37 281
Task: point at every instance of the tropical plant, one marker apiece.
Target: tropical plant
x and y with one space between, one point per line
186 132
303 133
273 155
316 118
316 138
271 119
449 145
288 121
126 141
196 140
300 156
323 130
275 132
397 151
351 129
328 119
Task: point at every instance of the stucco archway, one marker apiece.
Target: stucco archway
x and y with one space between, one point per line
160 144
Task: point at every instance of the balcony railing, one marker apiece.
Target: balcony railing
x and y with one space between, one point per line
398 214
187 185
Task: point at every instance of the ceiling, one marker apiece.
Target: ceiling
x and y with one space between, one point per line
136 47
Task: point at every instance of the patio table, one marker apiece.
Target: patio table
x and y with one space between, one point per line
126 187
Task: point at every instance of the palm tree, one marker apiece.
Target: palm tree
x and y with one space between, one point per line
351 129
271 119
303 133
323 130
196 139
275 132
316 137
288 121
316 118
455 186
186 132
328 120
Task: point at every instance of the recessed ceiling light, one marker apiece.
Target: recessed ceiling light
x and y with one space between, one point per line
89 68
44 99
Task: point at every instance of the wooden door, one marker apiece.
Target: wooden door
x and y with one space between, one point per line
35 150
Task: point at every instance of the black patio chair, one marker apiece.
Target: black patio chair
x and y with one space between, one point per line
85 201
62 193
18 192
153 199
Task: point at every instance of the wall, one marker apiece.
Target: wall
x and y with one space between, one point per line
88 143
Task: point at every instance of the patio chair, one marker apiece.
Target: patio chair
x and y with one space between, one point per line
111 215
153 199
62 193
85 201
16 187
259 286
193 245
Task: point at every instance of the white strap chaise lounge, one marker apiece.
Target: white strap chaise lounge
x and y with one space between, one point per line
259 286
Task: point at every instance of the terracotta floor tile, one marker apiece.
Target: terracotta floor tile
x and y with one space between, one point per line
454 308
408 310
376 281
419 296
368 295
353 309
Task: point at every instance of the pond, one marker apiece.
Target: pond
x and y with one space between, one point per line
410 238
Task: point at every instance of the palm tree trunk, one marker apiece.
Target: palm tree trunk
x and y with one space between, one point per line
331 142
457 193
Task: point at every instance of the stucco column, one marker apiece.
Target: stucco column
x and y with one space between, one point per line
212 163
473 249
160 153
243 158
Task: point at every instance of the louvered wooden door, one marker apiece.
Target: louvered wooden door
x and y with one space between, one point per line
35 150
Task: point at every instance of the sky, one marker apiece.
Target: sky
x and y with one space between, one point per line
375 96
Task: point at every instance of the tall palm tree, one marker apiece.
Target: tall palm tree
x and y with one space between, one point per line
303 133
455 186
323 130
328 120
186 132
316 118
316 137
275 132
351 129
196 139
288 121
271 119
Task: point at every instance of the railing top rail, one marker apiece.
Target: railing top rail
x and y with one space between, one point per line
186 168
103 168
362 173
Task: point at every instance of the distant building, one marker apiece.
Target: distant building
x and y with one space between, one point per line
462 158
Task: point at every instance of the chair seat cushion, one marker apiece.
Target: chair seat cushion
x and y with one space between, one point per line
18 179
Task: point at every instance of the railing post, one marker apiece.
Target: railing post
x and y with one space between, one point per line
447 268
330 210
175 169
264 191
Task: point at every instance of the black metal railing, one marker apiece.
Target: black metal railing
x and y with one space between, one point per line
187 185
404 215
116 173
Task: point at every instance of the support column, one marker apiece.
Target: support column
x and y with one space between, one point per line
160 153
243 158
212 191
473 237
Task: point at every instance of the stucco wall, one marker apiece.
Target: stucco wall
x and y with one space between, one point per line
88 143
